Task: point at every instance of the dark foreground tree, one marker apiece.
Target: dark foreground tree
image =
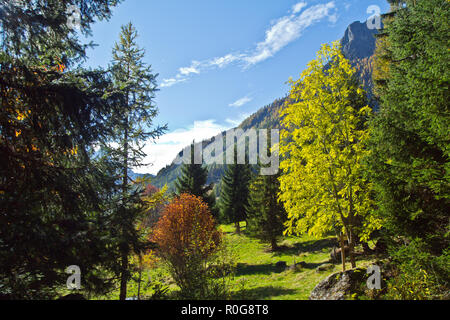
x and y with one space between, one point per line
51 194
411 139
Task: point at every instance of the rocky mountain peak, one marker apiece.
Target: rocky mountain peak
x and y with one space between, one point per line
358 41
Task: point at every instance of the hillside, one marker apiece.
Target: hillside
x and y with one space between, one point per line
358 45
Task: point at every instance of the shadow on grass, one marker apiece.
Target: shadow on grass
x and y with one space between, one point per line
262 293
313 265
249 269
307 246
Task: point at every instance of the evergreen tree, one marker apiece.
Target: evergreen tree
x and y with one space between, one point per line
51 192
410 134
234 193
193 180
132 122
266 215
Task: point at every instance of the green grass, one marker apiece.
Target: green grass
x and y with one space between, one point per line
257 277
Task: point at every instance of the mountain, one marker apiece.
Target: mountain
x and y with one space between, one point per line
358 41
358 45
133 175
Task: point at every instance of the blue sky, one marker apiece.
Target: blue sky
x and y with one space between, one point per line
220 61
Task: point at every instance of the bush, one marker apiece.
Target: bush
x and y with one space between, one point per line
419 275
188 242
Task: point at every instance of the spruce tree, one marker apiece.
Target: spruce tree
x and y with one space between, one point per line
234 193
51 192
132 122
266 215
410 134
193 180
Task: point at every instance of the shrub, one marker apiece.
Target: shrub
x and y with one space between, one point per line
188 242
420 275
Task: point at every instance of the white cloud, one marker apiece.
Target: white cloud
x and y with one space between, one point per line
222 62
188 70
333 18
241 102
288 29
166 148
296 8
170 82
236 122
284 31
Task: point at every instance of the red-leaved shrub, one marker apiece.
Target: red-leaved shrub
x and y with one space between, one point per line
187 237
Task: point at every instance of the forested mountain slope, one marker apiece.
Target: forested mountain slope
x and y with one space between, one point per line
358 45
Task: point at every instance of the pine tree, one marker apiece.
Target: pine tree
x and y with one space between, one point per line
266 215
51 192
193 180
234 193
132 122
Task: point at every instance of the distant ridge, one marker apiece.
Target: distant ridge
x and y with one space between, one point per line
358 45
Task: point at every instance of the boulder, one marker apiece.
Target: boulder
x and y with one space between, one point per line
335 254
325 267
298 266
340 284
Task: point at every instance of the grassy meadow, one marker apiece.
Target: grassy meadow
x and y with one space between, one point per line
257 277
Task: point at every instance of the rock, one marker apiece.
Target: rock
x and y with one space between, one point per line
335 254
281 265
340 284
298 266
358 41
294 268
325 267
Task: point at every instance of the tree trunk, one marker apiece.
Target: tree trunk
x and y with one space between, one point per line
238 227
139 285
341 239
351 248
274 245
124 266
123 277
351 240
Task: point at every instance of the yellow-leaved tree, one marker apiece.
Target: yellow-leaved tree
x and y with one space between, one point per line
322 148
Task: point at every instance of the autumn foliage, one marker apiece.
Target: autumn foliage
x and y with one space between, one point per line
185 228
187 237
